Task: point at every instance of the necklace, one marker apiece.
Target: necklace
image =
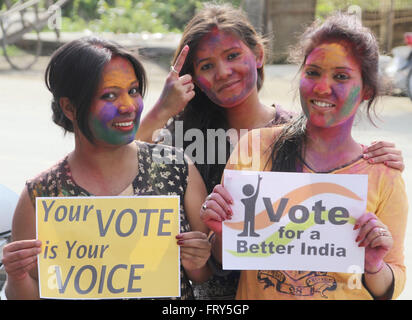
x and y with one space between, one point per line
334 169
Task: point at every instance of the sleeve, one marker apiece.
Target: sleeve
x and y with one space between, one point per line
393 211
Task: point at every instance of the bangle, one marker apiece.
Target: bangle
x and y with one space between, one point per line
375 272
211 237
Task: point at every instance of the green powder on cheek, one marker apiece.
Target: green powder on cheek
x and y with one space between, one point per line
348 107
103 133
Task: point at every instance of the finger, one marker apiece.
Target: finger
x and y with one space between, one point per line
209 216
217 197
181 59
382 241
379 144
224 193
11 257
195 252
216 207
195 248
398 165
189 88
366 229
186 79
364 219
190 95
22 244
371 235
192 235
383 157
20 265
382 151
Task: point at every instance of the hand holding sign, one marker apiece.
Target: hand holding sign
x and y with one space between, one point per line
216 208
194 249
19 257
178 91
376 238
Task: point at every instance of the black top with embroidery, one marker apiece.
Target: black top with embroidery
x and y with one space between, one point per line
153 178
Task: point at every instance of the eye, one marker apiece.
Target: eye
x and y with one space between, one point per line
206 66
312 73
108 96
233 55
134 91
342 76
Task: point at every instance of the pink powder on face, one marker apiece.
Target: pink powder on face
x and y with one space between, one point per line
225 68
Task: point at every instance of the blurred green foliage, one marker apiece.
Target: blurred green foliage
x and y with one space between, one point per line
325 7
122 16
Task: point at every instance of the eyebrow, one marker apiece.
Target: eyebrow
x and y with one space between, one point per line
224 51
115 86
339 68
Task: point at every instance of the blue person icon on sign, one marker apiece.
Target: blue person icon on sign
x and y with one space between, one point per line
250 206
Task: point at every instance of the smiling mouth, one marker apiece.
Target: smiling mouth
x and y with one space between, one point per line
228 85
123 125
322 104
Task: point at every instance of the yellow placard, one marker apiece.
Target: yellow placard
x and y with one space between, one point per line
108 247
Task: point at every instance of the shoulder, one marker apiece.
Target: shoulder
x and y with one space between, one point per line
253 149
263 136
282 115
45 182
50 172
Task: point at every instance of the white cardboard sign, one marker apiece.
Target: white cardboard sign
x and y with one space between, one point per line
294 221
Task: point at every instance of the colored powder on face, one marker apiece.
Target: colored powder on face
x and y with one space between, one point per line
103 132
351 101
349 106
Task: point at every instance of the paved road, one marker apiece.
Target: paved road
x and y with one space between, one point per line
30 142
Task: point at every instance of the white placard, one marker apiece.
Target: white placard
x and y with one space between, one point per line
294 221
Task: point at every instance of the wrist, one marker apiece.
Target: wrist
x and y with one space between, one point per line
161 111
375 269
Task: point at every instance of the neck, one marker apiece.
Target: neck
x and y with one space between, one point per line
103 170
329 148
249 114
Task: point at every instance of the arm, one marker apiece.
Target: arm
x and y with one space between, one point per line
383 235
177 92
384 152
194 245
20 256
377 240
217 210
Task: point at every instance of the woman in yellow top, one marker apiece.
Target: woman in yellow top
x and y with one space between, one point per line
339 71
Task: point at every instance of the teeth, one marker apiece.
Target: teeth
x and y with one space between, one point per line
123 124
322 104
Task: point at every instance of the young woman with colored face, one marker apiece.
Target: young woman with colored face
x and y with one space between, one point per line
221 62
97 89
339 73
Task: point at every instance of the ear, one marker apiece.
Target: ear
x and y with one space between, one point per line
260 55
67 108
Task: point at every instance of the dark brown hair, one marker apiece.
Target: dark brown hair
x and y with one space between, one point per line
74 71
202 113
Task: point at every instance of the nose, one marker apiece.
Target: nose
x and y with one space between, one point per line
323 86
223 70
127 104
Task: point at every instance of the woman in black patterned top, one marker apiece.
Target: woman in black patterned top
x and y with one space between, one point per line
97 89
